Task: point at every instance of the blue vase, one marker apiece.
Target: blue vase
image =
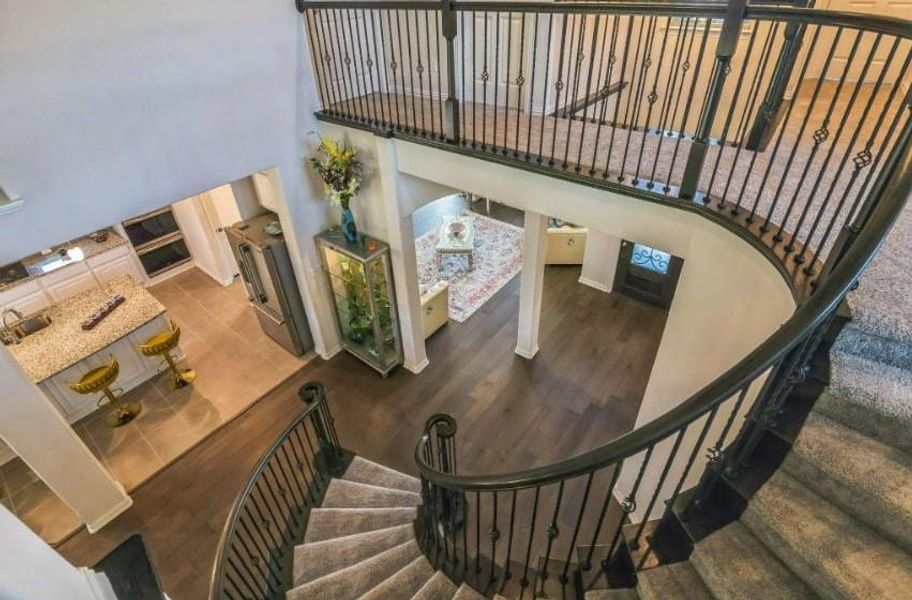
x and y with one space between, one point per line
348 226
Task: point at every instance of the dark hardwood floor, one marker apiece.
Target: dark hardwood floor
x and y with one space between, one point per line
583 389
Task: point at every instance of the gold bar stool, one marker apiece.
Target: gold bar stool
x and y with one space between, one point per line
161 344
100 379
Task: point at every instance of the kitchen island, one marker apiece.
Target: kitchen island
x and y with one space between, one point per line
62 352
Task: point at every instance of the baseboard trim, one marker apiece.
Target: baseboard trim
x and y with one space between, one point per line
595 284
527 353
112 514
328 354
417 368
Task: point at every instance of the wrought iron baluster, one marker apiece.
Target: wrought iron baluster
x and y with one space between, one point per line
799 258
617 101
651 100
520 80
496 77
532 85
552 533
579 156
605 90
807 117
427 55
579 523
736 208
524 582
864 157
628 506
665 110
494 535
507 84
685 67
314 55
506 572
609 496
632 121
689 103
546 85
558 86
731 113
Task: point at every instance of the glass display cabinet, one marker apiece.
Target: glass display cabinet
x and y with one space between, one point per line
361 284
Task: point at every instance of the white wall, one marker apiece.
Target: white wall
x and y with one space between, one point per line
115 108
29 568
600 260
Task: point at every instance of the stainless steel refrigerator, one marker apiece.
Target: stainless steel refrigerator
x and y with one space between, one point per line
272 289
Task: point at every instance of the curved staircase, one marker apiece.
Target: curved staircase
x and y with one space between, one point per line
834 521
361 542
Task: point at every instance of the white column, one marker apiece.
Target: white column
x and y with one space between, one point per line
600 260
29 568
403 260
535 229
33 427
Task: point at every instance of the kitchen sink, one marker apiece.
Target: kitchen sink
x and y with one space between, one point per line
23 328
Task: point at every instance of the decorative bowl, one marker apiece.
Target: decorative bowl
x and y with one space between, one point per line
457 229
99 236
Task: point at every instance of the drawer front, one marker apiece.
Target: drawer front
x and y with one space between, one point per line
70 272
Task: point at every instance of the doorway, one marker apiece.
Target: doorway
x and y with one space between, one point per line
647 274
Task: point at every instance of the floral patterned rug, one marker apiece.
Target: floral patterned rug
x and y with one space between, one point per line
498 258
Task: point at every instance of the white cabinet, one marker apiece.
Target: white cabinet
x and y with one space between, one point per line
68 281
35 295
27 298
121 266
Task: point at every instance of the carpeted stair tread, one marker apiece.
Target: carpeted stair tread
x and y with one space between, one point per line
870 397
678 580
314 560
438 587
352 582
734 565
404 583
351 494
616 594
327 523
465 592
834 554
362 470
881 326
868 480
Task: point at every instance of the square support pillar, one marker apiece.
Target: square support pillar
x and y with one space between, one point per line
403 259
36 431
535 230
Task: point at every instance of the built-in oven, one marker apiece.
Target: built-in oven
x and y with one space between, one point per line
151 227
164 253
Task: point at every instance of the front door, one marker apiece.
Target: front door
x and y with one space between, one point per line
647 274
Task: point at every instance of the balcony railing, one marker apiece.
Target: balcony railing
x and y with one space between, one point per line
776 119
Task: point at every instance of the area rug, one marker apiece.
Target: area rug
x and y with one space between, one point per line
498 258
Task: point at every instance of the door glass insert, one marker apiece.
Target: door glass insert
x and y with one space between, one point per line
650 258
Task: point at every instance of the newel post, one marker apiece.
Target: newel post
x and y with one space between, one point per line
324 426
728 43
451 104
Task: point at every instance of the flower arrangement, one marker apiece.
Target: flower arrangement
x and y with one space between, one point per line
340 172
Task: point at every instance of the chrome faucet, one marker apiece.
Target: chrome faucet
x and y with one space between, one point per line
7 329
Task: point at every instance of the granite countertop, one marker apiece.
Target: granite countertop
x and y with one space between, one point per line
64 343
89 249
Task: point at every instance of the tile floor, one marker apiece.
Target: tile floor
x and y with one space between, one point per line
236 364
